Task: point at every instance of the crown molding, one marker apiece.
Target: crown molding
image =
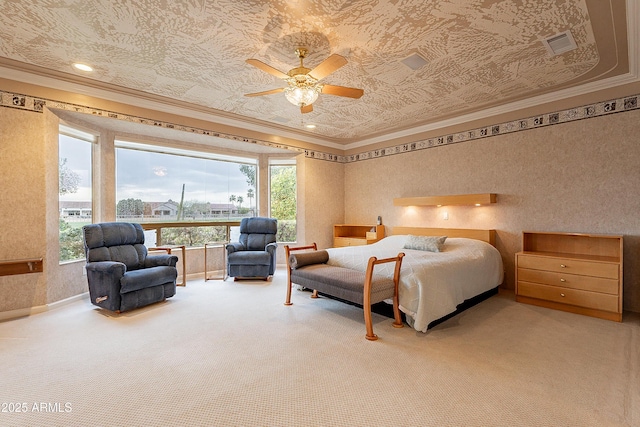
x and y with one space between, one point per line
30 74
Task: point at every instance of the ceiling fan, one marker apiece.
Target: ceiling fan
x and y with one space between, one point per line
302 83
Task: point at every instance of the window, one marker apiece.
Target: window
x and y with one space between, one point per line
75 189
155 183
282 198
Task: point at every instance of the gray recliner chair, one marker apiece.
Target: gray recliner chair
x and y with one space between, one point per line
254 255
121 275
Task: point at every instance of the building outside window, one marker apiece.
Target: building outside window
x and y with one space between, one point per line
75 191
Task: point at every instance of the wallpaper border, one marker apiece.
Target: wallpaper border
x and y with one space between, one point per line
588 111
627 103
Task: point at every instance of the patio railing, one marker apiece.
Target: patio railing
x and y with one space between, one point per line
159 226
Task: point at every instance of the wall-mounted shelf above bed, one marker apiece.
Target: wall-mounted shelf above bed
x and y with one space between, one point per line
457 200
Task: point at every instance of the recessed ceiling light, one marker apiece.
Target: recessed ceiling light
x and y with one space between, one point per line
310 126
82 67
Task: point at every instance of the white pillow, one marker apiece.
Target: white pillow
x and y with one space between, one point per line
425 243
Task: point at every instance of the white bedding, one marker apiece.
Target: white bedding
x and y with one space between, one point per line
432 284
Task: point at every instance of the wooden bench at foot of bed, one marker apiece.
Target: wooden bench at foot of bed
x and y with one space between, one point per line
309 269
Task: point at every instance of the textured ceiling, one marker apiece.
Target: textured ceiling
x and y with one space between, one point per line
480 53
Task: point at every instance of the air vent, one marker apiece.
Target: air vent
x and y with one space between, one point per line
414 61
560 43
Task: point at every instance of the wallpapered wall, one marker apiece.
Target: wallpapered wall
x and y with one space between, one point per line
581 176
28 211
22 204
576 176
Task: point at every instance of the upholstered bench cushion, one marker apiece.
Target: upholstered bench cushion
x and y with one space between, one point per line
147 277
343 283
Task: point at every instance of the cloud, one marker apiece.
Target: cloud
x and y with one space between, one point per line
157 177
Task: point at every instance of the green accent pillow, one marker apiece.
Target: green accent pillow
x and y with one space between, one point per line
425 243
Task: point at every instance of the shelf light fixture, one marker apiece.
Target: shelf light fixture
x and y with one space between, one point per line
454 200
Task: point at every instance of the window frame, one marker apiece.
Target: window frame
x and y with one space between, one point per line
192 153
82 134
283 161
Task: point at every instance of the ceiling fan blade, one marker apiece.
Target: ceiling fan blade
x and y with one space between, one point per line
306 109
267 68
349 92
328 66
266 92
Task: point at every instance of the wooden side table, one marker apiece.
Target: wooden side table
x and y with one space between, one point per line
184 259
213 245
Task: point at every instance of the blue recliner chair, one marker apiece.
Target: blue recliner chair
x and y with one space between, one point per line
255 253
121 275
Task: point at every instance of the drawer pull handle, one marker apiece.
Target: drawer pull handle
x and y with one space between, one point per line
562 280
562 295
563 266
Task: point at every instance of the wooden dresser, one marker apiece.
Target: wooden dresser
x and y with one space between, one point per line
356 235
580 273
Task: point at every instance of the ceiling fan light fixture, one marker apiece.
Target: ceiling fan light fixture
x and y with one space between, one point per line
303 90
302 83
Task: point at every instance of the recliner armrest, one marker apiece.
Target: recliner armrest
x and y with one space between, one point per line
117 269
271 247
234 247
160 260
104 283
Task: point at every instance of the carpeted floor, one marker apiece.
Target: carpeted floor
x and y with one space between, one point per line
231 354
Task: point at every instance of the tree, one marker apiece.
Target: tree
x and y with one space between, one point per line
283 192
70 238
68 180
196 209
283 201
130 207
71 244
193 236
240 199
250 196
250 172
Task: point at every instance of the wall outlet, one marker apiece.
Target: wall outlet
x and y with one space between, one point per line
445 215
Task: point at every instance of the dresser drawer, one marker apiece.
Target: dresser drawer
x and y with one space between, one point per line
575 297
348 241
572 281
569 265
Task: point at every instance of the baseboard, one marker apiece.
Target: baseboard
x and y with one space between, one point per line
29 311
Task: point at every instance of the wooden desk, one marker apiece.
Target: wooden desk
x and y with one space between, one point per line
212 245
184 259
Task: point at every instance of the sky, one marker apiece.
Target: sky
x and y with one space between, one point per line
157 177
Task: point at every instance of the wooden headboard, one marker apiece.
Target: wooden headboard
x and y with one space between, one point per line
488 236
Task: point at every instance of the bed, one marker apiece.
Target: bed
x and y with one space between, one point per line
432 284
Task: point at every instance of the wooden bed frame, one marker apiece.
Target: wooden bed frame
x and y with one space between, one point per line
488 236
